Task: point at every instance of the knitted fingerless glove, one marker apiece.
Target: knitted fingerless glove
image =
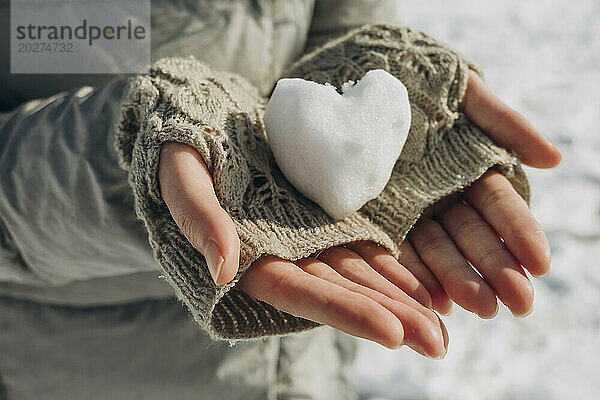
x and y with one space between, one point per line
221 115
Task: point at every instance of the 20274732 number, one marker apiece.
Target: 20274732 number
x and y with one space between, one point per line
45 47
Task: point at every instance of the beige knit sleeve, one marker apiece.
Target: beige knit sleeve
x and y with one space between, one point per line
221 115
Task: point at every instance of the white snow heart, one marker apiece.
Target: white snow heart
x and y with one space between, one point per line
338 150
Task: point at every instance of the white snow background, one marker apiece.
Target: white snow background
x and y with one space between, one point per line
543 59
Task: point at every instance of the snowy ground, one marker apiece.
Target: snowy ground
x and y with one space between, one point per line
542 58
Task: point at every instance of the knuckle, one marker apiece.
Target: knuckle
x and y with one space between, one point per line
341 257
415 263
341 252
327 253
432 245
494 257
469 227
505 116
412 262
370 248
280 284
496 197
351 268
329 302
187 225
306 264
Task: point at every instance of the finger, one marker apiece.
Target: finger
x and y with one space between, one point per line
458 279
410 259
499 204
506 126
353 267
287 287
187 189
420 333
387 266
480 244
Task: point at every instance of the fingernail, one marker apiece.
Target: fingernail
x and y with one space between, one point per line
449 312
214 259
496 311
490 316
547 262
525 314
442 355
444 334
396 347
557 149
422 352
543 274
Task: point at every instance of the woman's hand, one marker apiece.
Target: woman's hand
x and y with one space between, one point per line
361 289
462 235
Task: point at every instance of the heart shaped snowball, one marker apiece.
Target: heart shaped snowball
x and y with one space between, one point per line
338 150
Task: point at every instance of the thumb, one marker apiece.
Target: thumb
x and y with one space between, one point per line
187 189
506 126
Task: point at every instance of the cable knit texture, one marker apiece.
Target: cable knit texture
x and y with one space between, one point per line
221 115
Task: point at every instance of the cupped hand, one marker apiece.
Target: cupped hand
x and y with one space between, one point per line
360 289
474 247
363 290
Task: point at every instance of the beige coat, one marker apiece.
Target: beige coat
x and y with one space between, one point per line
83 310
